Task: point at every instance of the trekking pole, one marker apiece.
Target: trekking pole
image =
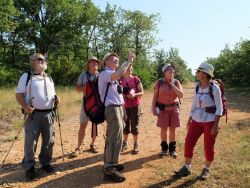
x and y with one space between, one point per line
12 145
60 132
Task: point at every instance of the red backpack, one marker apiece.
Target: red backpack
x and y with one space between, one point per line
93 106
220 83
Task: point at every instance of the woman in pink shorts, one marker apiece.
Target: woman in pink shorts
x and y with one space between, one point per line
165 106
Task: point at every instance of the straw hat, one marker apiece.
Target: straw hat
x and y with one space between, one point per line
207 68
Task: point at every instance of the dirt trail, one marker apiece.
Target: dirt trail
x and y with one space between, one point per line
86 170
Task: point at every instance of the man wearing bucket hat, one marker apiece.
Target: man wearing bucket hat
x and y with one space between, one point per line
165 105
203 120
111 95
36 95
92 72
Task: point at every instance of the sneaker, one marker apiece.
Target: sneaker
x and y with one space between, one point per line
173 154
124 146
164 154
204 174
31 174
48 168
136 148
93 148
184 171
112 174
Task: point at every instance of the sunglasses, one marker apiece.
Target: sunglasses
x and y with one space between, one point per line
42 60
114 58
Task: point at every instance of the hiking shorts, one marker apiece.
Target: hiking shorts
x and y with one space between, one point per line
132 122
83 116
169 118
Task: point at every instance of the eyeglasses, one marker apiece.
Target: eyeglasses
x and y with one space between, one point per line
42 60
169 69
113 58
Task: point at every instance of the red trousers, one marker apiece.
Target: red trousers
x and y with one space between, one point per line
195 130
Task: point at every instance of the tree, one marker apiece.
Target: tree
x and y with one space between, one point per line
172 57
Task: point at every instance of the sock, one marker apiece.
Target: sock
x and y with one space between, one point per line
188 166
208 168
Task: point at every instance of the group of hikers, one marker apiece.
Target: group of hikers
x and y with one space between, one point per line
120 93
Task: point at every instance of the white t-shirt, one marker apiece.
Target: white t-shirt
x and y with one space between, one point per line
39 91
202 100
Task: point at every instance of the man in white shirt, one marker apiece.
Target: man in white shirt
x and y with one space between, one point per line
109 86
36 95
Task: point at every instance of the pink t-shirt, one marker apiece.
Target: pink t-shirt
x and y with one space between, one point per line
128 86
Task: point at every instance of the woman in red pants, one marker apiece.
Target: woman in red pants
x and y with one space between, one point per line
204 119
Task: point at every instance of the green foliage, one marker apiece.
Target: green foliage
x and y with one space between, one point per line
8 76
68 32
172 57
233 66
144 70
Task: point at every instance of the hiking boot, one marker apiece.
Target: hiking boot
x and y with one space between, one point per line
164 154
136 148
112 174
164 149
31 174
184 171
48 168
93 148
172 150
124 146
204 174
119 167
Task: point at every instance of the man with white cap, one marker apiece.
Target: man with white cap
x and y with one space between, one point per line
91 74
204 119
114 113
36 95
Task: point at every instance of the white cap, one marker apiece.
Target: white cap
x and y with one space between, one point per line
166 66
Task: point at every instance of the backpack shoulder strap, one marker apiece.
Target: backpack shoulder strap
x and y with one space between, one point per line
136 84
197 88
176 84
160 82
106 93
211 90
28 78
88 75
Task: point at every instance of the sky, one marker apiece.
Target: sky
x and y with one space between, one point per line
198 28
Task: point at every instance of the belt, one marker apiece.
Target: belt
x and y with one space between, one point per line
114 105
44 110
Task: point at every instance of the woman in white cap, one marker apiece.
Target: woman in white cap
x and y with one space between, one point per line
165 105
91 74
204 119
